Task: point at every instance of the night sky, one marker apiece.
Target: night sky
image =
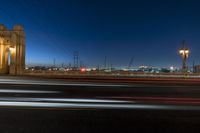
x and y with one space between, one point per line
150 31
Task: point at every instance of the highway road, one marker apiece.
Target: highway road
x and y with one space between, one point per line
60 105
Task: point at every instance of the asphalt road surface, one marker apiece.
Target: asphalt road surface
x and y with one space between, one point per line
33 105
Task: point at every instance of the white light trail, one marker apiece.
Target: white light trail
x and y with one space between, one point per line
76 103
95 106
35 82
77 100
26 91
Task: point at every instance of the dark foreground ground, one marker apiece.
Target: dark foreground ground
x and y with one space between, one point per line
81 121
54 106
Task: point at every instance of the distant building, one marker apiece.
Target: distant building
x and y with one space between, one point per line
165 70
148 69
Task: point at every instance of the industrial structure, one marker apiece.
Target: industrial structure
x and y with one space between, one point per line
12 50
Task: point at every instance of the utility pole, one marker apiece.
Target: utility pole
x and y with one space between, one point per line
111 67
105 62
81 64
130 63
69 65
62 65
76 60
98 67
193 67
54 62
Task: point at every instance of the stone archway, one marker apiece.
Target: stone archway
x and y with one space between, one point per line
12 43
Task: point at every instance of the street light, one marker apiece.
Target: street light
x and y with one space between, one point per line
184 52
11 48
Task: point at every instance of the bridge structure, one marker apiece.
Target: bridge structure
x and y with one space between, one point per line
12 50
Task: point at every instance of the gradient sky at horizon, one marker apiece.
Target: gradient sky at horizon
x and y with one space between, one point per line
149 31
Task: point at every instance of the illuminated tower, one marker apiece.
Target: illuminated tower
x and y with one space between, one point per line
12 50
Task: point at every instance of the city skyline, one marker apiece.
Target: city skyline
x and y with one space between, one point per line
149 32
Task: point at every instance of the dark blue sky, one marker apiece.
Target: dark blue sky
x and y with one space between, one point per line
149 31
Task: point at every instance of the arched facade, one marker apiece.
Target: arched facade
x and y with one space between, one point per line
12 50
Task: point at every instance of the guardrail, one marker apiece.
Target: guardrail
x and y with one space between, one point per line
108 74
